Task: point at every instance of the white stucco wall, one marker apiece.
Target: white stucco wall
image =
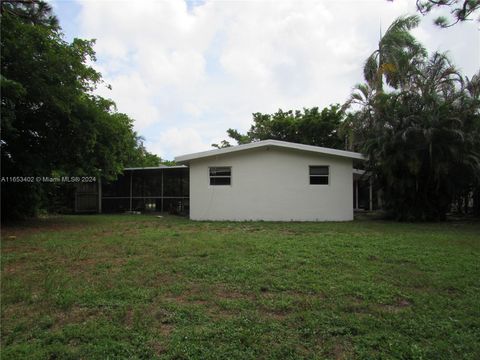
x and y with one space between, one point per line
272 184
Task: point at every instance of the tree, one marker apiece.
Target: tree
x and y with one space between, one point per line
141 157
34 11
393 63
460 10
421 137
223 144
310 126
52 124
397 55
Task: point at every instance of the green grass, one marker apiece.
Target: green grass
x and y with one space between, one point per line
142 287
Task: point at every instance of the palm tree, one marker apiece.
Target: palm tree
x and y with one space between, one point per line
422 144
397 55
395 61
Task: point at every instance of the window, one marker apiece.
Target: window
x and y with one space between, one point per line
319 175
220 175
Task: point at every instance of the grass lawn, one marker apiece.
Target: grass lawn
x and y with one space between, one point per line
142 287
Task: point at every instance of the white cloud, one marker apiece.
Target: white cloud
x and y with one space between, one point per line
178 141
177 67
133 97
188 74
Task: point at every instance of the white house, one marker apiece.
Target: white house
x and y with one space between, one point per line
271 180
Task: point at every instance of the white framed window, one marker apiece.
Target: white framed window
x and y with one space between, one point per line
220 175
319 174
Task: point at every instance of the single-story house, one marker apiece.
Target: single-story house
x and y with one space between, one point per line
265 180
271 180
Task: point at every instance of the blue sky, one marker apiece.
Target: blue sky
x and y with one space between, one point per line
188 71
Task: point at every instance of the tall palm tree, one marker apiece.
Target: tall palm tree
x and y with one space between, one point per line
395 61
423 141
397 54
422 133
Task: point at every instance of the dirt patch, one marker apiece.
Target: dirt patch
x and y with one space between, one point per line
75 315
185 299
103 233
357 309
341 351
357 305
128 318
452 291
84 262
22 249
11 311
404 303
222 292
277 315
89 265
202 294
398 306
17 267
157 347
298 295
32 229
291 232
165 330
128 232
210 299
22 262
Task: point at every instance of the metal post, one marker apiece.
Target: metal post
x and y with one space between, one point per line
131 172
76 200
161 199
356 194
99 195
371 194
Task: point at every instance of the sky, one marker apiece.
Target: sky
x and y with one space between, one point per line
186 71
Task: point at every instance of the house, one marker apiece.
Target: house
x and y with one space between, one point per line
265 180
271 180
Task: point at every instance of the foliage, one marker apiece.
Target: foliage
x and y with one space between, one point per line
140 157
397 55
310 126
51 122
140 287
460 11
223 143
422 137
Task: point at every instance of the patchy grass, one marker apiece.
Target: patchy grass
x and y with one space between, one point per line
144 287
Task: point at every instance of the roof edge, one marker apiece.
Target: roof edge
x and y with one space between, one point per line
154 167
185 159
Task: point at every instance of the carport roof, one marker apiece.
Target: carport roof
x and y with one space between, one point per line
161 167
185 159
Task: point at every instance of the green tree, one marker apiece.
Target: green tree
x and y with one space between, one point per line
397 55
310 126
51 122
460 10
140 157
421 138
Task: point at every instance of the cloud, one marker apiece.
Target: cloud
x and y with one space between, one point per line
134 97
187 71
178 141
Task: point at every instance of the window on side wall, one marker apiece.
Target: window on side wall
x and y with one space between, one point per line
220 175
319 175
